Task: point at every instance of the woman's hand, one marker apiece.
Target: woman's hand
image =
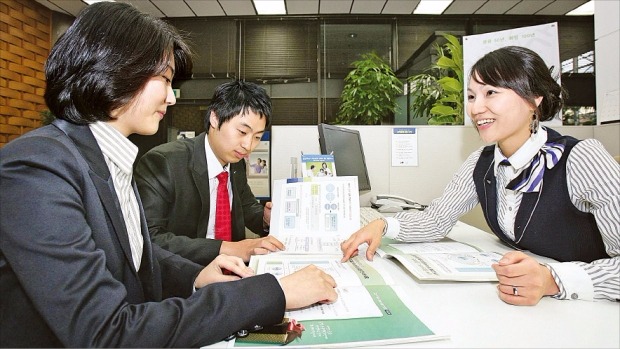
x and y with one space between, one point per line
522 280
370 234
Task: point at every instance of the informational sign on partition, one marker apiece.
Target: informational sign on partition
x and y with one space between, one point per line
542 39
404 146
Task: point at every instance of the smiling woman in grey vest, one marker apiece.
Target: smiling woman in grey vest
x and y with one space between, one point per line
553 195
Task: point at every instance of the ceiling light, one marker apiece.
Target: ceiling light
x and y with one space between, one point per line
270 7
586 9
431 7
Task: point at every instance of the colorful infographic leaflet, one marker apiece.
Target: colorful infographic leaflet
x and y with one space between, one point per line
313 215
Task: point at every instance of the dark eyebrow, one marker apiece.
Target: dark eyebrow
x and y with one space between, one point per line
248 126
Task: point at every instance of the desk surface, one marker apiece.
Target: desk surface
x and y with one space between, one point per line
473 316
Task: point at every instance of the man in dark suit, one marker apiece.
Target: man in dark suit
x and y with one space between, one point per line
178 180
77 267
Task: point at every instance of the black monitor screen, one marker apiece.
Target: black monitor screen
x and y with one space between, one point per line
346 145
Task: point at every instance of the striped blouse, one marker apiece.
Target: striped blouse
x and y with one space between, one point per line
119 154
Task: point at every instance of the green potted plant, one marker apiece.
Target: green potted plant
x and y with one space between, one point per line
438 92
46 117
369 93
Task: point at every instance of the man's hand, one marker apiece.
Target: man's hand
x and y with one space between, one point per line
223 268
522 280
370 234
308 286
248 247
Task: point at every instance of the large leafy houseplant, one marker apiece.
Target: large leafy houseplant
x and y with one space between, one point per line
369 93
438 92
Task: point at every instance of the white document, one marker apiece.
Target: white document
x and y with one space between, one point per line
313 215
354 300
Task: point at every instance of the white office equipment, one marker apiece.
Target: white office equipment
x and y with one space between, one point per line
386 203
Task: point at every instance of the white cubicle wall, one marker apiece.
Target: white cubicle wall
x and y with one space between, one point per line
441 151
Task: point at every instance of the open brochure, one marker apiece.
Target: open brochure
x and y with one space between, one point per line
313 215
369 310
442 260
354 301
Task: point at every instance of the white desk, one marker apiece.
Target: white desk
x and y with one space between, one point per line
473 316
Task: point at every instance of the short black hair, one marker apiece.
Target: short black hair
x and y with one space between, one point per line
106 57
526 73
235 97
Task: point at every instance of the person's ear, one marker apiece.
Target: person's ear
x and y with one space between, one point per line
114 114
538 100
213 120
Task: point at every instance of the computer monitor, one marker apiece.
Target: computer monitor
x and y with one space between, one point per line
346 145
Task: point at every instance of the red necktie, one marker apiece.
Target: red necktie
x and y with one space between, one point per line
222 209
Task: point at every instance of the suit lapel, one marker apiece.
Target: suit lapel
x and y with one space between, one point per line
200 175
147 267
100 175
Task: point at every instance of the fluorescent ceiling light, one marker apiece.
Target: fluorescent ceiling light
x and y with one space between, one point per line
90 2
586 9
431 7
270 7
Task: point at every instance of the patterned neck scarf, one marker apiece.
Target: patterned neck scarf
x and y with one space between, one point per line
530 179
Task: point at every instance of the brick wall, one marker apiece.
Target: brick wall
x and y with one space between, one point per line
25 28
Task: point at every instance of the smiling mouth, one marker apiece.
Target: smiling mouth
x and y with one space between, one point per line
483 122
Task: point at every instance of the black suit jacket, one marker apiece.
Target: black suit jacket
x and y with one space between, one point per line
66 271
173 182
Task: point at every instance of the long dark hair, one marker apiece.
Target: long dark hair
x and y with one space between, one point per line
525 72
106 57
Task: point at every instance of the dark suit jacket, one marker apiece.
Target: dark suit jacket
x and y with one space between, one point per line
173 182
66 271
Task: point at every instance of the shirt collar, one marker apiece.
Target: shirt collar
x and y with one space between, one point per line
213 164
522 157
116 147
